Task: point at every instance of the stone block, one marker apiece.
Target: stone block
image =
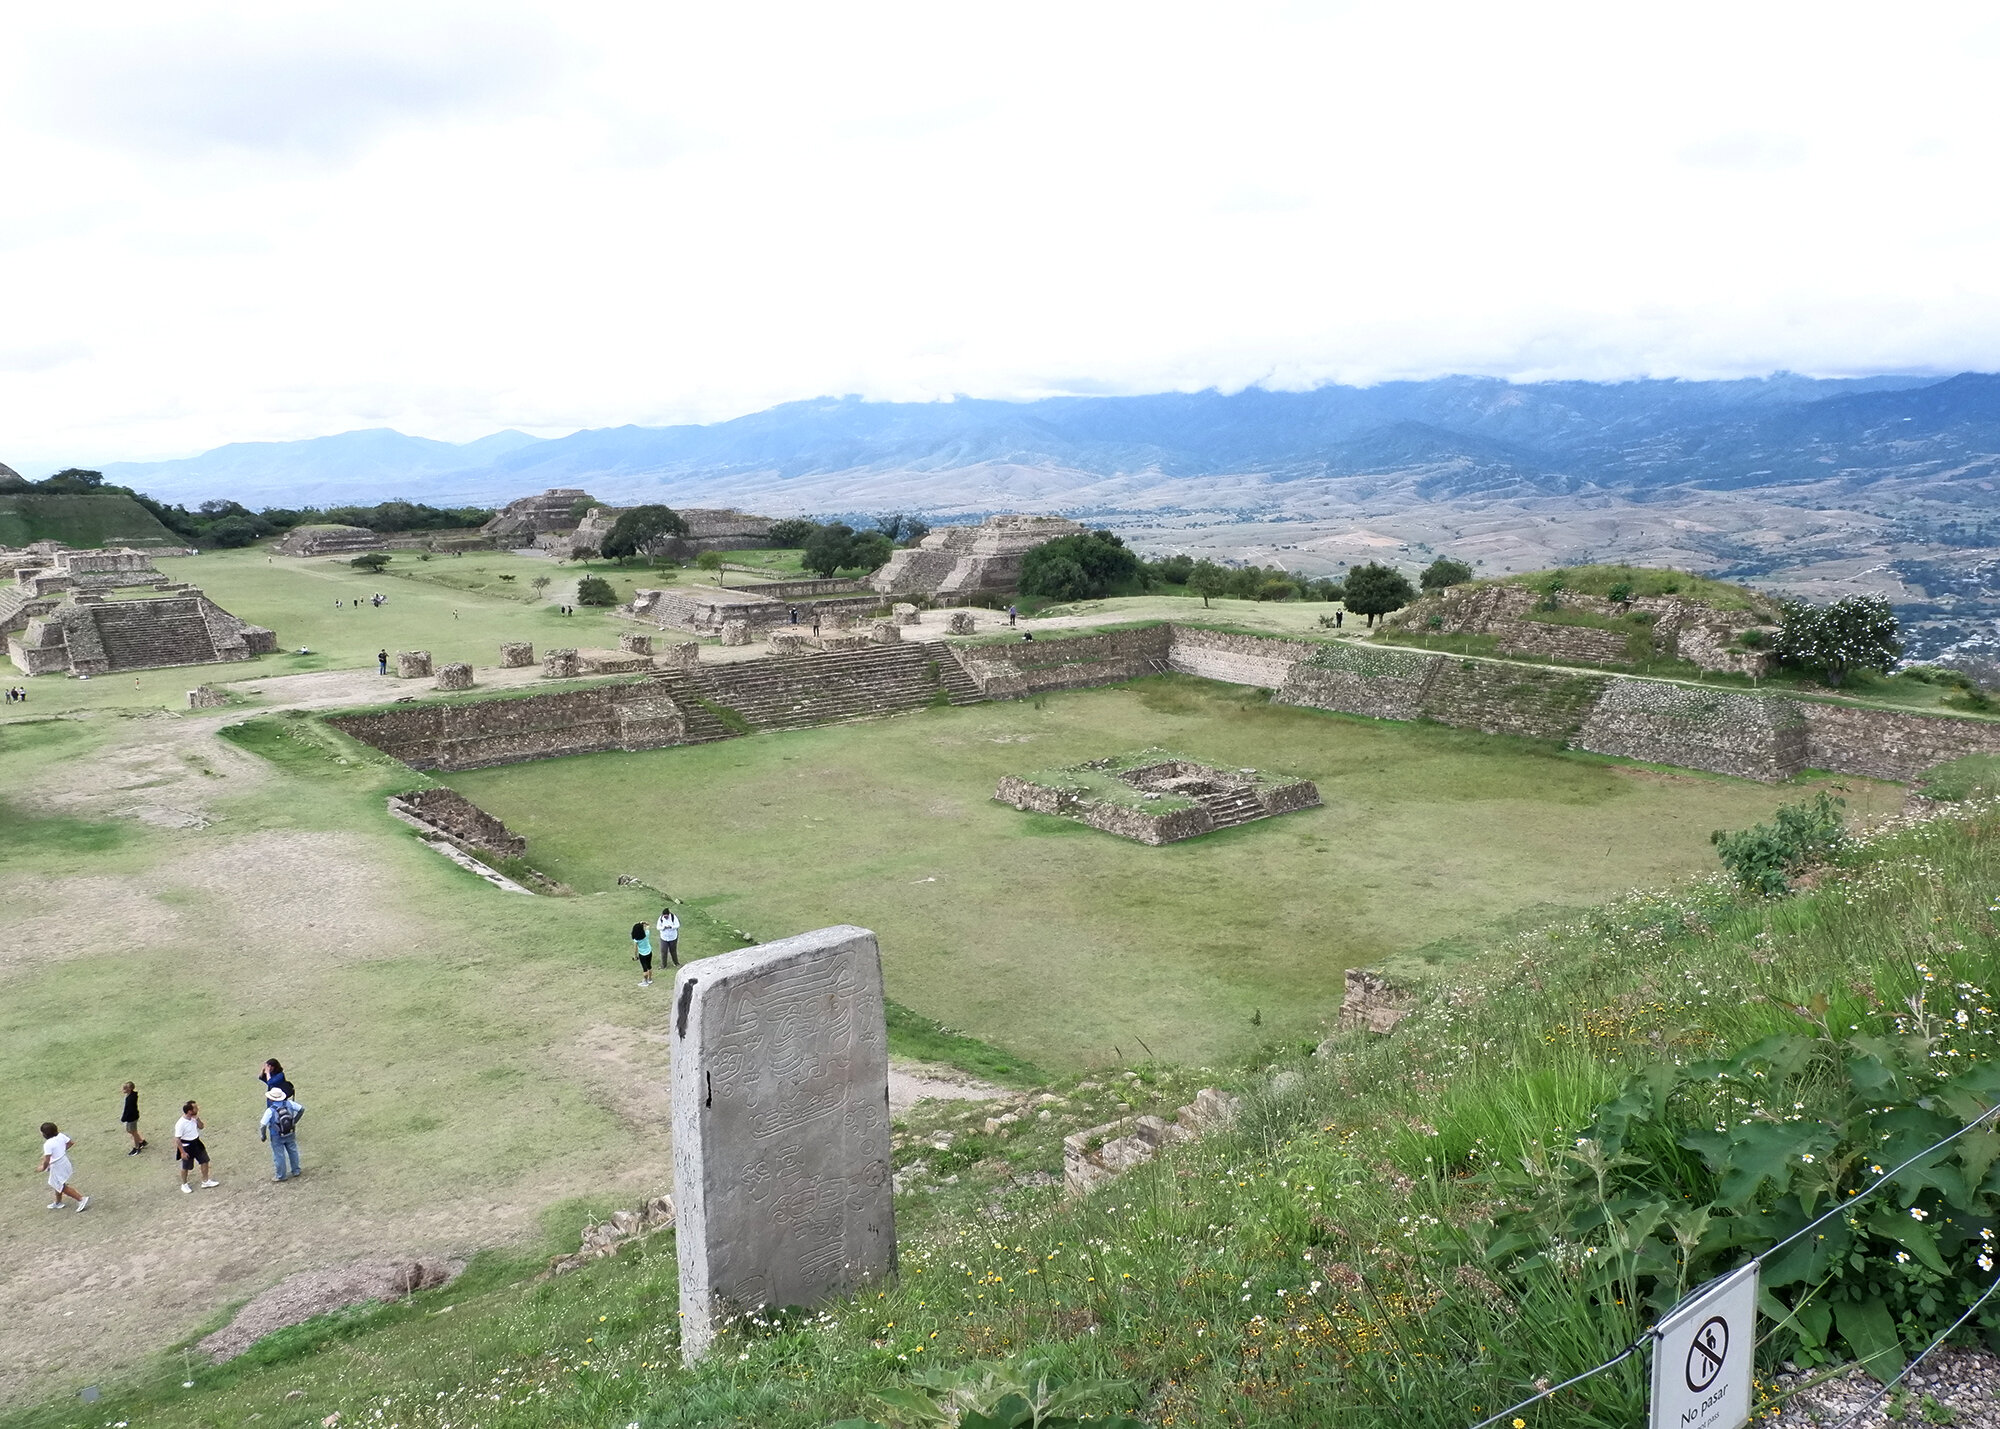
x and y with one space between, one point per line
413 664
455 676
633 643
560 664
905 613
789 642
735 632
516 654
781 1127
885 632
960 623
206 697
681 655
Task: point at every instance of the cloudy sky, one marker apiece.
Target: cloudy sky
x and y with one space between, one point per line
242 222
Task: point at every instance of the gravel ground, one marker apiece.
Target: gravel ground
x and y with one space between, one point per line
1958 1387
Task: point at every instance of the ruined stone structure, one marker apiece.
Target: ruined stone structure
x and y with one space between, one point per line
449 815
634 643
758 609
454 676
1156 797
1372 1003
688 704
957 562
413 664
516 654
1103 1153
780 1085
518 523
329 541
206 697
1665 625
560 665
84 633
43 573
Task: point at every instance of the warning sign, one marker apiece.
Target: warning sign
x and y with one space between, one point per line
1703 1356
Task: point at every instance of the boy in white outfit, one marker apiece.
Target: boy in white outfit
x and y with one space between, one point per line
670 936
55 1161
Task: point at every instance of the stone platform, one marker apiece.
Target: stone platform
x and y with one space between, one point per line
1157 797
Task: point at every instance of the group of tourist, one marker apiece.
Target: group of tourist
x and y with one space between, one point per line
17 695
378 601
669 926
278 1127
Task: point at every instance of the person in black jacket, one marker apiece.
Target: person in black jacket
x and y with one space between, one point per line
128 1117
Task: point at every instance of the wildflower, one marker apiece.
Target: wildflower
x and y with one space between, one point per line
1807 1158
1902 1257
1918 1213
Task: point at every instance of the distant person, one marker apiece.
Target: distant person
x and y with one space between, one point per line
670 936
815 622
128 1117
55 1161
793 611
1338 617
381 662
280 1126
189 1147
272 1074
643 951
1012 616
1027 635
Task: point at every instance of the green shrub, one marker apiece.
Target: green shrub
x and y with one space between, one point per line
1621 591
371 561
595 590
1764 858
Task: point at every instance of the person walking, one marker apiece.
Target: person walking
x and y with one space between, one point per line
280 1126
670 936
381 662
128 1117
815 615
643 951
190 1149
55 1161
1012 616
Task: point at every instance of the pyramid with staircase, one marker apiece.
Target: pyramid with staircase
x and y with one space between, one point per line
1157 797
89 634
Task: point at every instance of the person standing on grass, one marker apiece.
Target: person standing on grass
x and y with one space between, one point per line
55 1161
280 1126
272 1074
643 951
670 936
381 662
189 1148
128 1117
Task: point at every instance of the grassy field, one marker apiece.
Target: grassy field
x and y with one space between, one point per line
1076 948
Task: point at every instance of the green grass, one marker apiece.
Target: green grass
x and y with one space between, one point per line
1976 776
911 1034
1301 1270
984 912
78 520
1645 581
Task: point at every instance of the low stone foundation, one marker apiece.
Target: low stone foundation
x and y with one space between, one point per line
633 643
559 665
1103 1153
516 654
206 697
448 814
455 676
413 664
1372 1002
1155 797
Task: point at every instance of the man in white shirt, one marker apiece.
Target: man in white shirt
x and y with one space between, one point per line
55 1161
670 935
189 1148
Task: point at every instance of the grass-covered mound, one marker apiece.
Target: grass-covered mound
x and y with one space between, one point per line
1409 1232
81 521
1618 582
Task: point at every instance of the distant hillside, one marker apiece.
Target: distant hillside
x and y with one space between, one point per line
1458 437
80 521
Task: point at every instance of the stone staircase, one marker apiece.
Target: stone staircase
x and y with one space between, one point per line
702 725
958 681
147 634
1237 806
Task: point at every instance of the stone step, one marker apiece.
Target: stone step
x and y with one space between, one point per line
148 634
958 681
1229 810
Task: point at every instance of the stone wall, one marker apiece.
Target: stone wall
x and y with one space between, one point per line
1722 732
1236 659
1380 682
451 814
478 734
1012 669
1530 700
1584 644
1887 744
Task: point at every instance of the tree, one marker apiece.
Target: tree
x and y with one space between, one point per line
1857 633
709 561
595 590
540 583
869 551
370 561
1207 580
829 548
792 533
1373 590
1101 557
902 530
637 531
72 480
1443 573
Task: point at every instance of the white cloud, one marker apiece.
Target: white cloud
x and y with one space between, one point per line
244 222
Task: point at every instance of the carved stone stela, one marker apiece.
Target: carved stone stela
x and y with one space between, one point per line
781 1127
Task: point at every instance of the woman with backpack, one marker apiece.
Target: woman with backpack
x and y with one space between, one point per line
642 949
